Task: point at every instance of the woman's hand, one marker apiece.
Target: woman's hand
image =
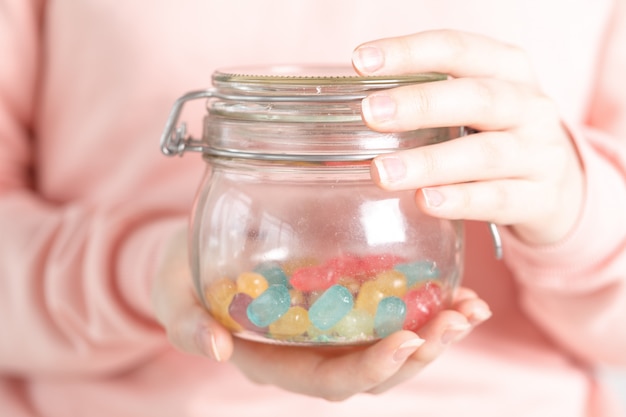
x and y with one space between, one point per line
330 373
521 169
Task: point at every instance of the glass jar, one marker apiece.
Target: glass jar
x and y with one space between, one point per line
291 241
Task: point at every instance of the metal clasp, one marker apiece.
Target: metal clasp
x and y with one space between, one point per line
174 140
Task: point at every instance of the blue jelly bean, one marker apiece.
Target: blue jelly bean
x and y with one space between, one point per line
273 273
390 316
269 306
331 307
418 271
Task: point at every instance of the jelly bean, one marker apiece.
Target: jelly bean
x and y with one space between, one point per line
422 303
313 278
331 307
292 265
356 325
251 283
418 272
298 298
218 297
351 283
390 316
273 273
293 323
369 296
391 282
269 306
312 296
373 264
320 336
238 311
347 265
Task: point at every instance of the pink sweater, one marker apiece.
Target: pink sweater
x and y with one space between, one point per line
86 201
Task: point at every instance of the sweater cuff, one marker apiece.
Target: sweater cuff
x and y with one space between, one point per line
569 265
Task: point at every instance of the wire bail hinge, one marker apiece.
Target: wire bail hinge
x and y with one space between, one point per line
174 139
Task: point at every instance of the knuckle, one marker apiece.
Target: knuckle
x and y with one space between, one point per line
421 101
501 197
483 91
454 41
430 164
492 153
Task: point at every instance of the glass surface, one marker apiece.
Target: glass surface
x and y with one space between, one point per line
273 242
292 242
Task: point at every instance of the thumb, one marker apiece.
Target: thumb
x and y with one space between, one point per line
194 331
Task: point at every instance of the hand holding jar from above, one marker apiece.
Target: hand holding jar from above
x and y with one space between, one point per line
520 168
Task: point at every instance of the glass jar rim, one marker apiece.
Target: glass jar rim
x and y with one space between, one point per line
309 80
313 74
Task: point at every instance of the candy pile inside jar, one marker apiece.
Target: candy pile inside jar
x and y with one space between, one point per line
345 300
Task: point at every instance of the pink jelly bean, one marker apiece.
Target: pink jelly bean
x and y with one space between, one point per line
314 278
346 265
373 264
421 305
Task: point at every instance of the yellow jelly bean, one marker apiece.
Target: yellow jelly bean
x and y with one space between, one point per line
392 283
293 323
251 283
219 296
357 325
369 296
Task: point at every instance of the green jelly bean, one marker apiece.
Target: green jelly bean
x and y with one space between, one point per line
416 272
331 307
273 273
390 316
269 306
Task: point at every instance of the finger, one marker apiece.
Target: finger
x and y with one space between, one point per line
456 53
478 157
450 326
501 202
475 309
194 331
445 328
481 103
334 375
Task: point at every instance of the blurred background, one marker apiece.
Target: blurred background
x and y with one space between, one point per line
617 379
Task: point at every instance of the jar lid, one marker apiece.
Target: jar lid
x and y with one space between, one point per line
314 81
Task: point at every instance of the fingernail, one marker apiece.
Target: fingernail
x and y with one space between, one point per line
432 197
207 344
406 349
368 59
378 108
455 332
390 169
479 315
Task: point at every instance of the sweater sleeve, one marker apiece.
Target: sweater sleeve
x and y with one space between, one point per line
576 289
74 276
